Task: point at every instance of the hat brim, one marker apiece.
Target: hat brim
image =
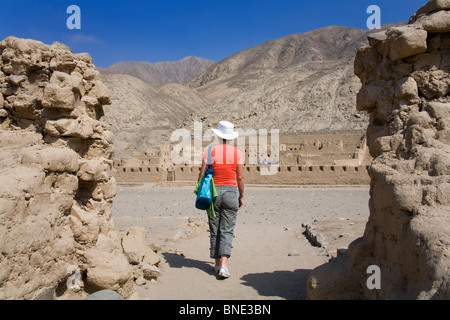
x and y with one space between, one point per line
232 136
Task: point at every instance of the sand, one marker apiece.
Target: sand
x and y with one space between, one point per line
271 256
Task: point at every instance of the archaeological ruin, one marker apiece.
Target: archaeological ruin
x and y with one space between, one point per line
405 75
56 157
330 158
59 176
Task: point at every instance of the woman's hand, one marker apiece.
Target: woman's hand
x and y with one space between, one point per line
240 183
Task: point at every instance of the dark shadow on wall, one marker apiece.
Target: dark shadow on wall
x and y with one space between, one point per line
289 285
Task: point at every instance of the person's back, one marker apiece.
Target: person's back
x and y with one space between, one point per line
227 163
225 160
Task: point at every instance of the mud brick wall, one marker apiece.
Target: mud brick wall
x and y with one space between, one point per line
405 75
56 186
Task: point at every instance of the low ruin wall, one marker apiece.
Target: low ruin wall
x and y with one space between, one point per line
281 175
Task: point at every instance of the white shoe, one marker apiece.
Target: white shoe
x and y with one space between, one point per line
224 273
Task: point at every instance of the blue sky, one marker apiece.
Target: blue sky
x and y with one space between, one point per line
169 30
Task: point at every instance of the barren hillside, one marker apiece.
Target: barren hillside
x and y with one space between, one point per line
301 82
142 116
251 65
161 73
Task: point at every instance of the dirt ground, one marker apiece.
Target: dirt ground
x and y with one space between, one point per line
271 257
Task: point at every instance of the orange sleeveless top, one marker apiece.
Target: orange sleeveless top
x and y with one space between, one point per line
225 159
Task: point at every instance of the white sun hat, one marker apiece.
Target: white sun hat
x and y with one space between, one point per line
226 131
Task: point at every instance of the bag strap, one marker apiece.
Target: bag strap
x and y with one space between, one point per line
209 157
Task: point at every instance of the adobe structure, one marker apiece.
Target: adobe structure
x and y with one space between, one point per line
57 235
329 158
405 73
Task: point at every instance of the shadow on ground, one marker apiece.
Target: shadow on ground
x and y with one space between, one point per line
289 285
180 261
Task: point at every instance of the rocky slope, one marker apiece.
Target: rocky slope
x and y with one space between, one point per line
142 116
301 82
161 73
306 97
251 65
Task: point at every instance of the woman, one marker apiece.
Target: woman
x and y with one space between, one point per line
227 163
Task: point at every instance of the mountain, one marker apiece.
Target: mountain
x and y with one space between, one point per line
298 83
301 82
325 44
142 116
161 73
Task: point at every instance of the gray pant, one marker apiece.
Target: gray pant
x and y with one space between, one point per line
221 228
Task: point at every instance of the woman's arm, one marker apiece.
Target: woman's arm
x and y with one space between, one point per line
240 183
202 170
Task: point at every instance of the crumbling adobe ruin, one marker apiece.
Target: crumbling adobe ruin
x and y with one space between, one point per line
405 73
332 158
56 186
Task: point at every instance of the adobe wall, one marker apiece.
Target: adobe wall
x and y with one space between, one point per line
332 148
57 186
405 75
284 175
316 159
137 174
